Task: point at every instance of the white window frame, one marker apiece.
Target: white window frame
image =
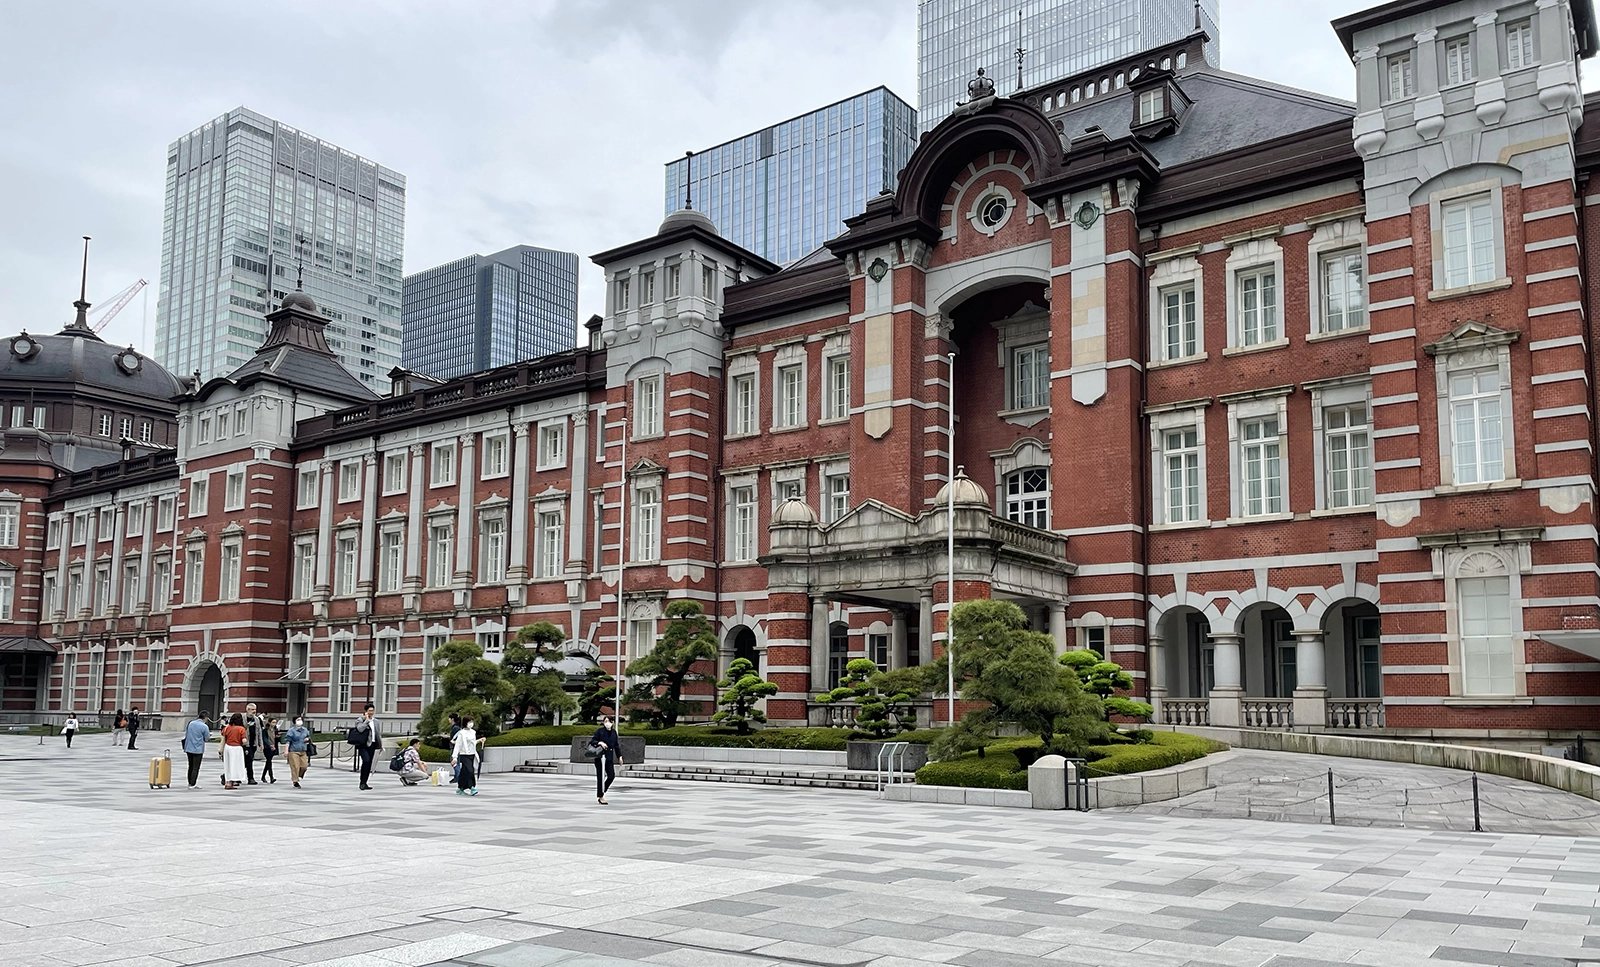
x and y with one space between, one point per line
1152 106
105 425
549 559
836 386
1476 275
146 432
1473 348
641 637
496 459
1480 562
394 472
1024 363
387 674
1177 420
391 556
432 641
102 587
305 568
1521 44
744 395
155 676
106 526
1336 394
204 432
789 396
8 595
742 520
621 293
1265 329
835 493
442 463
1185 324
194 573
647 286
493 542
1029 508
134 512
10 523
52 531
551 441
672 280
349 481
346 561
1242 414
199 494
166 513
307 483
648 398
1400 76
233 491
645 507
440 566
161 582
339 694
230 568
1455 60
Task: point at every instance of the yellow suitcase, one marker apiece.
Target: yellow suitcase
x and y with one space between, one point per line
161 771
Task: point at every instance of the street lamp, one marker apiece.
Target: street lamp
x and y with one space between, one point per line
622 557
950 552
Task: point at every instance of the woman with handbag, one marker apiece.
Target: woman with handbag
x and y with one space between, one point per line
464 757
606 748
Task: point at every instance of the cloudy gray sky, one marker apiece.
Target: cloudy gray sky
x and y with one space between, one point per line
544 123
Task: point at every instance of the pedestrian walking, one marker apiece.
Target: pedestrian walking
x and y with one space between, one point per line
296 740
232 752
195 736
464 756
252 741
455 725
607 756
269 747
70 728
119 724
133 727
413 770
367 737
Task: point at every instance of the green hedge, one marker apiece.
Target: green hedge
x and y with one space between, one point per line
999 768
817 740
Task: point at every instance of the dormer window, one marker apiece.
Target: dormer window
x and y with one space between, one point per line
1152 107
1158 103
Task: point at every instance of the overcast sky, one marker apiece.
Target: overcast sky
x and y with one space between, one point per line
544 123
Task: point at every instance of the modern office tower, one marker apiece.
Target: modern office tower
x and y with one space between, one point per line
784 190
1059 38
484 311
250 199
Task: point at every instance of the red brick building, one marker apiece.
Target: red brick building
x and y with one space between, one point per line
1283 402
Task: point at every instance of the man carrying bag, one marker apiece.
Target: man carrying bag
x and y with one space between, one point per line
367 737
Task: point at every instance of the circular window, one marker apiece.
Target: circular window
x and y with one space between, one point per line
992 211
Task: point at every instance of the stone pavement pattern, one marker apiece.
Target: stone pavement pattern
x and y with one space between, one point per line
101 870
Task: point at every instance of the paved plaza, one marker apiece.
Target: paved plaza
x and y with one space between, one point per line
98 869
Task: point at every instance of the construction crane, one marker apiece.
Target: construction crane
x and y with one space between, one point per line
108 312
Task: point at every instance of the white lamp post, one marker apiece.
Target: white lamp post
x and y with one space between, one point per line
950 553
622 559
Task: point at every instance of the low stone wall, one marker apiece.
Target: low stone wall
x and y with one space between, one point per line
504 758
1157 786
959 796
1575 777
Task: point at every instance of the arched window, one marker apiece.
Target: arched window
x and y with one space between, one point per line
1028 497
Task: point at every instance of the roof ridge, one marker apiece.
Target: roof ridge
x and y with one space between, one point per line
1271 87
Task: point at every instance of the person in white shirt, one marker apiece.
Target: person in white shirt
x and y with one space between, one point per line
464 756
70 728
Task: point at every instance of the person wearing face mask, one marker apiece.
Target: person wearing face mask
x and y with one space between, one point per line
295 741
607 756
464 756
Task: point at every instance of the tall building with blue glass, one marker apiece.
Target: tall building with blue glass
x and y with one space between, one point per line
484 311
784 190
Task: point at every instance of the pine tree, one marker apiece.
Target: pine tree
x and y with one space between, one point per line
741 689
687 640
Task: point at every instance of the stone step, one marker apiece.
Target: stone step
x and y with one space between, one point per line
751 774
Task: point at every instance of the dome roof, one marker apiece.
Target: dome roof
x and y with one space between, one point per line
299 300
968 493
684 217
78 356
793 511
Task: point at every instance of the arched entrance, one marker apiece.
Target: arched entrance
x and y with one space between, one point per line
209 690
741 643
1269 656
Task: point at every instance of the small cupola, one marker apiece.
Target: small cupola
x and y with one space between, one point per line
1159 104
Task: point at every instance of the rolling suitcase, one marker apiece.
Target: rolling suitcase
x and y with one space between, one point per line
161 771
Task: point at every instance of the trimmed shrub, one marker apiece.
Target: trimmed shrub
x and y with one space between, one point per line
1002 767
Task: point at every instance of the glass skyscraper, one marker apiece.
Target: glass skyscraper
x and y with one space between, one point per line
247 198
1060 37
784 190
484 311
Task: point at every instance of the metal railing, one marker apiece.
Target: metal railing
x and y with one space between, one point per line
1267 713
1355 713
892 766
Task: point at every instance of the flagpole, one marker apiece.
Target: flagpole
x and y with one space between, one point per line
950 552
622 557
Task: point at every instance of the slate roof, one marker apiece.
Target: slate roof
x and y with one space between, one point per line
296 353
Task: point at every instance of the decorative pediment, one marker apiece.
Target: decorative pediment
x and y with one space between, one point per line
1472 335
646 467
232 529
882 521
491 501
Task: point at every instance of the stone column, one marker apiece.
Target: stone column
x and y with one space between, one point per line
114 597
1155 673
517 556
412 585
578 503
91 531
369 524
466 476
1058 629
1311 671
925 627
325 493
819 646
146 589
60 613
897 640
1227 690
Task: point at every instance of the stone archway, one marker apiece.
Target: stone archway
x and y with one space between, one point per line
740 642
205 686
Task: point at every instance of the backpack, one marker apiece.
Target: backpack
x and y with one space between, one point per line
398 763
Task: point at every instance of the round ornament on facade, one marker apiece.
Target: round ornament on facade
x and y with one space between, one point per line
129 362
877 270
24 347
993 211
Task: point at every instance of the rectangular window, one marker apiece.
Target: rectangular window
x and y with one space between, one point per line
1094 639
228 589
441 536
442 466
97 678
10 524
1468 241
8 590
1476 434
878 651
1257 291
1519 45
125 428
708 281
496 447
549 562
107 528
744 404
742 533
1150 106
155 677
39 419
838 496
161 584
647 287
492 548
647 406
1030 377
74 592
430 644
205 427
19 414
492 642
52 601
1486 636
52 533
135 515
199 487
102 588
233 492
646 524
552 446
388 675
222 424
1344 292
80 528
394 472
837 396
306 487
1180 335
166 513
791 396
623 289
1181 455
105 425
1346 431
346 546
391 556
1402 81
1458 60
340 693
305 567
145 433
69 682
130 587
349 481
674 275
641 638
1260 449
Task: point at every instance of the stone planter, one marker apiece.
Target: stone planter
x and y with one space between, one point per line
632 749
863 755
